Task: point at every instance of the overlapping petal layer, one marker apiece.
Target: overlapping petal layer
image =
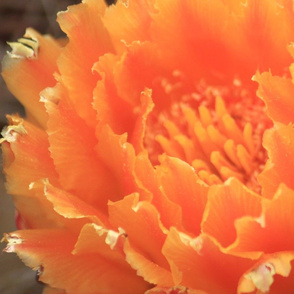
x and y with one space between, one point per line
59 259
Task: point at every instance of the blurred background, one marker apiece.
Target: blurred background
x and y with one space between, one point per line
15 17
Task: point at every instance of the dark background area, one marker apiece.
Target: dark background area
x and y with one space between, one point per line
15 17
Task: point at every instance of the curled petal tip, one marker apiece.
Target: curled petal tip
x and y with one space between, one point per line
11 132
25 47
262 277
12 240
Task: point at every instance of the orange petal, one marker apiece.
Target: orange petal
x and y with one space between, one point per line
277 93
70 135
140 221
147 179
137 137
34 211
139 68
274 231
269 180
279 142
262 31
108 269
182 186
72 207
26 155
207 46
27 159
50 251
198 263
28 71
150 271
283 282
268 275
110 107
226 203
128 21
81 52
118 157
225 34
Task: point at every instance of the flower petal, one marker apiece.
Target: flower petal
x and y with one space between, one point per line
198 263
70 135
204 46
182 186
27 160
150 271
132 74
147 179
146 235
26 154
269 180
43 250
226 203
274 231
138 134
110 107
26 76
277 93
107 263
72 207
51 253
225 33
82 51
118 156
279 142
261 28
264 275
128 21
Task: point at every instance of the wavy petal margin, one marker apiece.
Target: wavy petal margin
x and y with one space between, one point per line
74 266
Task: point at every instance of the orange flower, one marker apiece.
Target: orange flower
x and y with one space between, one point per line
147 163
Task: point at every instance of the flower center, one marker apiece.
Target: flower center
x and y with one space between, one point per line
217 130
